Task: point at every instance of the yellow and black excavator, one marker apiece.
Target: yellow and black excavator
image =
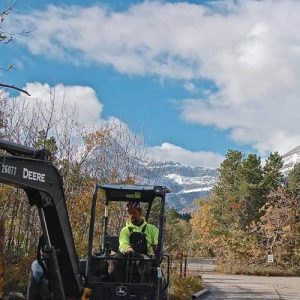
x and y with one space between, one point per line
68 278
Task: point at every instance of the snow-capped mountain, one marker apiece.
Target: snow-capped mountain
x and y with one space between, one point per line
186 182
290 159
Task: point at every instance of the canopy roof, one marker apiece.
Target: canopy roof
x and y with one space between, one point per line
142 193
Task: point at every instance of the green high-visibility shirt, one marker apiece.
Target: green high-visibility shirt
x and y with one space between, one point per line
151 233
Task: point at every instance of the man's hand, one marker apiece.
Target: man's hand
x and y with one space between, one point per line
129 250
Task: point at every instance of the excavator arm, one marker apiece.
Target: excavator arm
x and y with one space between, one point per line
29 169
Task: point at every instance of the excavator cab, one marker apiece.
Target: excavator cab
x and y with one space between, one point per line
152 285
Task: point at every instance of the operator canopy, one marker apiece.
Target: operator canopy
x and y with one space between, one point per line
133 193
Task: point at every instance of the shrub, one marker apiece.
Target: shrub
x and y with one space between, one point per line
182 288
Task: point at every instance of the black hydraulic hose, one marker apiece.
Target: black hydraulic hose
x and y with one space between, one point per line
53 268
44 228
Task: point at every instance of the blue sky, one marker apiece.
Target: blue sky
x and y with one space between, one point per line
196 78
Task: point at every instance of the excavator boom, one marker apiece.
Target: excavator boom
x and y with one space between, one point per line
29 169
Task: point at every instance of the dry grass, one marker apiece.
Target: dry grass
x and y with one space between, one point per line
183 288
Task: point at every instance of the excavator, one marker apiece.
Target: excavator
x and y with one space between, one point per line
32 170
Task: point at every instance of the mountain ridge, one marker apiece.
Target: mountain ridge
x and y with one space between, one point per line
186 182
189 182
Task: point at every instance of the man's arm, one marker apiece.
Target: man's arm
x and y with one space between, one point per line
124 245
154 235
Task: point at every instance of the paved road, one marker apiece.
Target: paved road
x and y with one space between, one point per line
251 287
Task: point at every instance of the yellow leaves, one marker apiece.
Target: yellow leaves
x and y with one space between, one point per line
96 138
203 220
286 228
204 227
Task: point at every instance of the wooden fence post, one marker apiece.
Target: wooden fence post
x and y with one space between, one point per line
1 259
185 266
180 264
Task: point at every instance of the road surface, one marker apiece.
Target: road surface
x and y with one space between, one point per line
250 287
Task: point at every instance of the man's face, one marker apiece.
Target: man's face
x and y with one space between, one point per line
135 214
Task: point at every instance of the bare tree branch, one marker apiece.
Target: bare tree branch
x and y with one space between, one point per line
11 86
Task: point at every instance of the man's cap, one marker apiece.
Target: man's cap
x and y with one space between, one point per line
133 204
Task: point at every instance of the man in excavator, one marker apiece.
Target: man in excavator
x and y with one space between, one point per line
137 238
38 288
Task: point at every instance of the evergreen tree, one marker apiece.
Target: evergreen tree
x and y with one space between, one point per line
186 217
230 172
251 169
226 203
239 191
273 177
46 143
294 181
251 192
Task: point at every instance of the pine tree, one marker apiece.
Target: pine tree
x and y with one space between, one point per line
273 177
294 181
226 203
43 142
252 194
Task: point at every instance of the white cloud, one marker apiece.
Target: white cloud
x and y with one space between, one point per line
190 87
249 49
81 99
175 153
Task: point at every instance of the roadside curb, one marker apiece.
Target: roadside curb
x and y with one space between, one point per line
200 293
